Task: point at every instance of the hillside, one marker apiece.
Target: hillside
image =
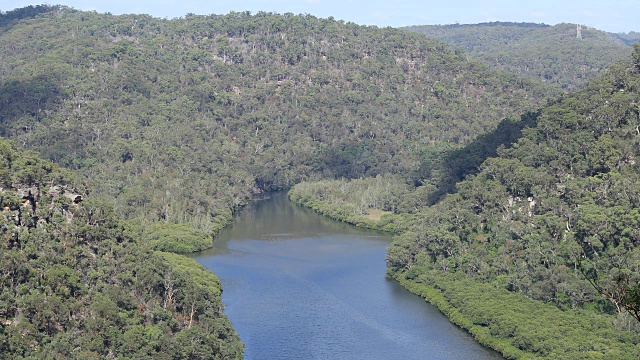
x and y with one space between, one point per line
74 286
549 227
552 54
180 121
629 38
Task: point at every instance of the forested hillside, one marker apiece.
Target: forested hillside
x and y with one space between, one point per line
550 223
180 121
553 54
510 197
629 38
74 286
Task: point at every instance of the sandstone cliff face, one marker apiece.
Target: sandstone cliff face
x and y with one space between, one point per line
25 207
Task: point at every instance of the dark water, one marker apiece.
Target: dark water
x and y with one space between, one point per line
300 286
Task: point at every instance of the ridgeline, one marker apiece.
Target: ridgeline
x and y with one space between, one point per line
567 55
181 121
506 194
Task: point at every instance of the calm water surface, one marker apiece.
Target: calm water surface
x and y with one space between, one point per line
300 286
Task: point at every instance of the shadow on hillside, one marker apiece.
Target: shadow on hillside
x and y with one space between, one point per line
24 100
448 167
10 17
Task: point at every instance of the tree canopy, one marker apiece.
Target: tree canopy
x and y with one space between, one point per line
500 188
553 54
74 286
552 216
182 120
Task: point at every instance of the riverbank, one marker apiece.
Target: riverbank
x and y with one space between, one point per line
516 326
179 238
300 284
345 212
512 324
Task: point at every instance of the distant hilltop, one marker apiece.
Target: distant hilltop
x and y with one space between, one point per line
538 51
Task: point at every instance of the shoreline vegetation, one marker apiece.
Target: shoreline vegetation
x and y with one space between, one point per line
516 326
535 248
175 124
511 323
336 199
181 238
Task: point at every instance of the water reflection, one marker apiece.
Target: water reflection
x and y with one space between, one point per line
301 286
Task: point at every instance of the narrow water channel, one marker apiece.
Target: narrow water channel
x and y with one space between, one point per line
300 286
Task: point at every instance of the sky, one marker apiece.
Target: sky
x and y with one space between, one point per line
608 15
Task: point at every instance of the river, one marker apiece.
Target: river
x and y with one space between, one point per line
298 285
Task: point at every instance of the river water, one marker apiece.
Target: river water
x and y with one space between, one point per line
298 285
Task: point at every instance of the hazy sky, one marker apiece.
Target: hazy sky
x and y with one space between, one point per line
609 15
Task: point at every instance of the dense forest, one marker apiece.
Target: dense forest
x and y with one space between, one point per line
553 54
505 192
75 286
180 121
549 225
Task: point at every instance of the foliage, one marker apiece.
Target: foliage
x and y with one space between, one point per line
517 326
180 121
381 192
74 286
551 222
561 199
177 122
175 238
8 17
441 167
629 38
551 54
356 201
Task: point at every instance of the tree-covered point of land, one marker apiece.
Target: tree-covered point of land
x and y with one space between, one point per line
73 285
553 54
551 218
180 121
